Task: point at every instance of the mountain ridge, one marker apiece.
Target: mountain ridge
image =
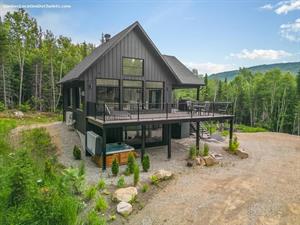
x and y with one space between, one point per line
293 67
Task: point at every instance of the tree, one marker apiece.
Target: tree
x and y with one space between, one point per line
3 56
22 34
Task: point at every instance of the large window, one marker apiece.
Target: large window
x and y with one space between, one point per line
133 67
69 98
132 94
154 95
79 98
108 92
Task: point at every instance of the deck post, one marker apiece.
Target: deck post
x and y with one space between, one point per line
143 143
230 131
198 94
169 140
103 149
197 135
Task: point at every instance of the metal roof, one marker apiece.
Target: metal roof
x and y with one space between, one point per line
185 76
181 73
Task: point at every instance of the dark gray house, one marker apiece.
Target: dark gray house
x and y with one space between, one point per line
122 92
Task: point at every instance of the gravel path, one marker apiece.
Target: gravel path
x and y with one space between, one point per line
263 189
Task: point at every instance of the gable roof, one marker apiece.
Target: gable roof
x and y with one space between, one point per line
185 76
181 73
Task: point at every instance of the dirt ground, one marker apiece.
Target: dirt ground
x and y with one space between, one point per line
263 189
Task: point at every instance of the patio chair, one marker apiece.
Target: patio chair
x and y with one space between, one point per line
205 108
224 110
117 113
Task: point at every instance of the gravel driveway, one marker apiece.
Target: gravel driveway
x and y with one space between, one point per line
263 189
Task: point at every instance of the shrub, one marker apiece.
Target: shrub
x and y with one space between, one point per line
146 163
192 152
136 174
101 184
205 150
130 162
73 179
234 144
48 171
121 182
82 169
154 180
24 107
101 204
115 167
76 152
145 188
2 107
90 193
94 219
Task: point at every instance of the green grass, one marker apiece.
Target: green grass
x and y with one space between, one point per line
248 129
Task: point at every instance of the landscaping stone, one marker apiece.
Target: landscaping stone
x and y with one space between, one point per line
125 194
242 154
19 114
210 160
124 208
163 174
190 163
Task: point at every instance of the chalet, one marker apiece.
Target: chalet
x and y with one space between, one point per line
121 95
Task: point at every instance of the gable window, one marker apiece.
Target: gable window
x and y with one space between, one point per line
133 66
69 98
132 94
108 92
154 95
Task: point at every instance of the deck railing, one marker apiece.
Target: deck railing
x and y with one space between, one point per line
107 111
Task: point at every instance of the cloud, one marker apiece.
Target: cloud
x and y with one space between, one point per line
209 67
267 54
287 6
291 31
267 7
282 7
4 8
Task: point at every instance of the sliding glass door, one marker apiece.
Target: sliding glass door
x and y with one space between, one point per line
154 95
108 92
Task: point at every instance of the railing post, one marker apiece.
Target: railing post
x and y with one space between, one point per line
95 110
104 112
167 111
232 108
191 109
213 108
138 105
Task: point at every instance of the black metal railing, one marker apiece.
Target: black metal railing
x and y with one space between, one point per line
107 111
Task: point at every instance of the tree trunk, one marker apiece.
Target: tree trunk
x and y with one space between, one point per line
60 76
52 84
36 85
41 87
4 86
21 65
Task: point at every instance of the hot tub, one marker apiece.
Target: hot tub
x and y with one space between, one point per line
118 151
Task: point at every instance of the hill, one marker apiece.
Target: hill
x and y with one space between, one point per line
293 67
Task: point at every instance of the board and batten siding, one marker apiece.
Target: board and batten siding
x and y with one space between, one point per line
134 45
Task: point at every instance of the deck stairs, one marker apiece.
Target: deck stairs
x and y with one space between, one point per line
204 133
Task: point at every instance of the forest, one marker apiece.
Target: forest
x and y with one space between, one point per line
33 60
270 100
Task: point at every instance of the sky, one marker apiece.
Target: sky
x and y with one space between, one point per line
209 35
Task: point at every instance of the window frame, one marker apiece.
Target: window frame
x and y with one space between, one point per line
132 75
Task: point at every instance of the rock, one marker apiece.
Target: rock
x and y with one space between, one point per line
19 114
200 161
210 160
163 174
124 208
125 194
217 156
242 154
190 163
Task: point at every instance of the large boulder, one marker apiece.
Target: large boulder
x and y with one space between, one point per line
163 174
19 114
124 208
125 194
210 160
242 154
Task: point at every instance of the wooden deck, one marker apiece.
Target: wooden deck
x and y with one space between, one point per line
151 118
